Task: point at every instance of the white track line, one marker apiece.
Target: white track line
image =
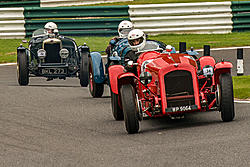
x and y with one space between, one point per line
241 101
230 48
7 64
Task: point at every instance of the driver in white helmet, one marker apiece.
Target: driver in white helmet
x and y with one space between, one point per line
139 43
123 29
51 28
136 40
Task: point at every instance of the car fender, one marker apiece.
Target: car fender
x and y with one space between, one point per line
114 72
21 49
97 67
126 78
220 68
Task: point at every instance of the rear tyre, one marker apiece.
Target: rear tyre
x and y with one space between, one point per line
95 89
129 109
226 99
116 109
84 67
22 69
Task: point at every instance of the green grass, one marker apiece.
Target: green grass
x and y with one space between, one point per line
241 87
8 46
8 50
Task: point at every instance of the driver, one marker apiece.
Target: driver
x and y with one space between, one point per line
136 40
123 29
139 43
50 28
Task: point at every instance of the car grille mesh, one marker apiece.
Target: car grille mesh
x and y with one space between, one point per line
179 88
52 53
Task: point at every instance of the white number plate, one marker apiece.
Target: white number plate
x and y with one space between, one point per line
53 71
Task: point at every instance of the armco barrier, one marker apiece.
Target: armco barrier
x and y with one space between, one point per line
205 17
20 4
12 23
77 11
241 16
79 26
82 20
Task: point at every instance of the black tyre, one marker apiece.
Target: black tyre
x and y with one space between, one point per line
129 109
96 89
22 69
116 109
84 69
226 99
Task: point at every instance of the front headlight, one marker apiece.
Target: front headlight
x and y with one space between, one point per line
41 53
208 71
145 77
64 53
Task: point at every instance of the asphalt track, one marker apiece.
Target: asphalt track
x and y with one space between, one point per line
57 123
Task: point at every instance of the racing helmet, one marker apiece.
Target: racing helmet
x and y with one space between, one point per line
50 28
124 28
136 39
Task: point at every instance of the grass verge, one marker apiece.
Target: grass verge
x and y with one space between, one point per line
241 87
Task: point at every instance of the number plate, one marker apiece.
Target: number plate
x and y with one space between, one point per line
181 108
53 71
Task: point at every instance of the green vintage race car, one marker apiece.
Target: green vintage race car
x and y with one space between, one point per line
52 56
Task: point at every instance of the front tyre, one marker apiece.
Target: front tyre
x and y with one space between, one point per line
95 89
22 69
116 109
129 108
226 97
84 67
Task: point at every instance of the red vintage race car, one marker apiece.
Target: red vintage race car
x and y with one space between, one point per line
170 84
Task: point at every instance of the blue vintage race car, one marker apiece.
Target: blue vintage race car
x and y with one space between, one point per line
98 71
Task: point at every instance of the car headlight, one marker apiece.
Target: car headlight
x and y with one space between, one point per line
41 53
145 77
64 53
208 71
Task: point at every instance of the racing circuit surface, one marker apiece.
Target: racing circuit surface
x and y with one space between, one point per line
57 123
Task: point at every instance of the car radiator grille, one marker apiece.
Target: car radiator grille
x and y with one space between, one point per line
179 88
52 53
